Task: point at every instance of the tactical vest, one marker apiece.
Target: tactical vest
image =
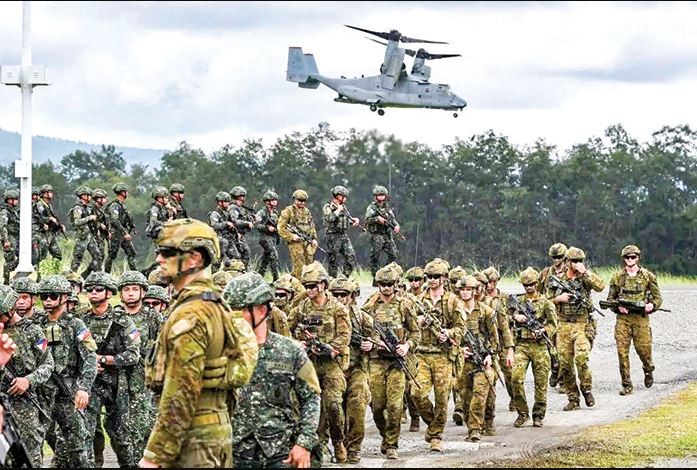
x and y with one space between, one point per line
524 334
388 315
634 288
340 224
26 357
429 341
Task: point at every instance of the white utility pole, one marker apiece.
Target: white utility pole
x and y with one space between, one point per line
26 77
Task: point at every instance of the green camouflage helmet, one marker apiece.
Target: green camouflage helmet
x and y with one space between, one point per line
159 191
270 196
467 281
492 274
377 190
222 196
437 266
574 253
97 193
159 293
341 283
45 188
101 278
23 285
558 249
247 290
314 272
631 250
132 278
11 194
176 188
221 278
119 187
238 191
529 276
236 267
8 298
54 284
35 191
386 275
340 191
416 272
81 190
457 273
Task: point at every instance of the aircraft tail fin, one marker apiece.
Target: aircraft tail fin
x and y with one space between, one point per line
302 68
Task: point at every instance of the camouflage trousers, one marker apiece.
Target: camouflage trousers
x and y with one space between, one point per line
115 243
356 401
378 244
333 385
141 419
475 387
44 243
573 348
340 244
301 254
243 249
116 405
387 392
507 372
70 434
434 371
635 328
537 355
31 431
87 242
269 256
409 403
228 251
11 258
458 365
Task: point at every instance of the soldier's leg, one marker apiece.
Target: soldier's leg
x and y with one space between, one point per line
477 405
412 407
520 367
378 395
273 259
265 255
333 246
53 247
78 252
97 254
27 419
141 420
554 376
391 249
582 349
206 446
11 258
465 387
333 387
244 251
130 251
623 339
92 417
642 344
232 251
71 426
99 442
541 365
355 403
508 381
442 382
349 255
395 395
119 435
113 252
297 258
565 351
375 247
421 394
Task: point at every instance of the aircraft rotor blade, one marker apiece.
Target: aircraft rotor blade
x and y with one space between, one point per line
376 33
441 56
375 40
406 39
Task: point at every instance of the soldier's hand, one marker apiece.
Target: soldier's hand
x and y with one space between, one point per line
127 237
442 336
396 229
303 345
81 400
355 221
420 320
579 267
488 362
510 357
6 245
466 351
250 225
295 238
298 457
623 310
93 217
7 346
648 308
19 386
563 298
366 346
313 243
230 225
147 464
382 345
45 228
519 318
271 228
402 349
53 220
381 220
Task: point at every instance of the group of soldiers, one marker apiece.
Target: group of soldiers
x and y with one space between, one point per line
204 363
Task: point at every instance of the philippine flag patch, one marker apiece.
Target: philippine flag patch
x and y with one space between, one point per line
83 334
135 334
42 344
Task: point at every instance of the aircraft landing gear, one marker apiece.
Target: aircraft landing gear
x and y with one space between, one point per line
381 112
454 115
373 108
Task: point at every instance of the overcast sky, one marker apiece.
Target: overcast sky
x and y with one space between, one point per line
150 74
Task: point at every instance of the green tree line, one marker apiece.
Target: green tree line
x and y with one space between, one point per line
475 202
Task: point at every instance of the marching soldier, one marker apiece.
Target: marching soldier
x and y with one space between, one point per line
243 218
297 227
558 254
49 225
157 299
267 225
221 222
416 278
160 212
336 221
101 226
84 224
635 284
120 228
176 192
380 222
454 275
9 232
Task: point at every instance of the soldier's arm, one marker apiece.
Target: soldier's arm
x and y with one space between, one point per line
308 392
491 329
371 215
114 214
328 215
245 361
342 324
3 226
283 220
87 350
614 290
80 216
237 217
654 291
131 339
280 321
411 325
42 213
552 322
503 325
457 332
44 359
260 221
313 229
217 222
593 281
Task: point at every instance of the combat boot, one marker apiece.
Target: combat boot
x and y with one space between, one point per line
414 426
392 453
353 457
626 390
537 422
553 378
572 405
436 445
340 452
511 406
489 428
458 418
522 419
648 379
589 398
475 435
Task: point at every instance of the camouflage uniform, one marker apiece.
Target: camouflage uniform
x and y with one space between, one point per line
301 253
241 217
268 240
120 224
179 210
85 228
101 225
218 219
49 241
505 341
337 240
9 232
380 235
38 240
278 322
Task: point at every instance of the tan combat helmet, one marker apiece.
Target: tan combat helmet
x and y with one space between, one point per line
492 274
221 278
455 274
574 253
397 268
300 195
558 249
467 281
314 272
437 267
341 283
386 274
529 276
481 278
417 272
236 268
631 250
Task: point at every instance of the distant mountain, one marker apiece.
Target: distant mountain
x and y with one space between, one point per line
49 148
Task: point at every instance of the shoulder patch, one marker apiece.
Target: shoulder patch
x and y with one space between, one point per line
182 326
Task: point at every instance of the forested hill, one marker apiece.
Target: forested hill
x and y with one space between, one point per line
477 201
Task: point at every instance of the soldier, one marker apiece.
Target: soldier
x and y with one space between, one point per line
118 349
243 217
270 431
76 284
573 344
120 228
157 299
176 191
267 225
9 232
636 284
336 219
322 325
454 275
221 278
557 252
357 393
294 223
35 192
221 222
284 293
386 379
159 212
27 371
100 233
49 225
442 325
38 241
531 349
416 278
380 222
190 363
84 222
68 392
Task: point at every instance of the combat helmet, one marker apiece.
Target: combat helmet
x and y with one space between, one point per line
575 253
235 268
35 191
529 276
176 188
97 193
54 284
155 278
341 283
223 196
457 273
283 283
270 196
492 274
340 191
132 278
74 278
221 278
247 290
397 268
159 191
314 272
386 275
159 293
119 187
8 298
467 281
238 191
101 278
481 277
631 250
558 249
437 266
82 190
378 190
356 288
300 195
416 272
45 188
23 285
190 234
11 194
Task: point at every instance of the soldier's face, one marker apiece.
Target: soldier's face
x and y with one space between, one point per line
434 281
224 204
491 286
178 196
97 294
272 203
314 289
631 260
12 202
380 198
530 288
300 203
24 303
100 200
479 291
387 288
281 298
466 293
557 260
131 295
416 283
53 300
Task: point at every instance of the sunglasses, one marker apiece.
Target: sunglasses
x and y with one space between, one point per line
166 252
310 285
52 296
95 289
340 295
576 260
433 276
301 200
386 283
530 284
152 303
281 295
558 257
631 257
414 279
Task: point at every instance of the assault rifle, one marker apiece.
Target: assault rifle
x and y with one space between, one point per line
295 230
357 339
100 227
57 225
348 214
531 322
389 338
30 394
13 454
128 222
633 307
389 221
576 292
63 388
101 350
315 347
478 353
435 326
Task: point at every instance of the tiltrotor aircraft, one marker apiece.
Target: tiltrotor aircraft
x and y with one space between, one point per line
394 87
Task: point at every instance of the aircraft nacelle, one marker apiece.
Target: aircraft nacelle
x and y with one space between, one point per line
393 68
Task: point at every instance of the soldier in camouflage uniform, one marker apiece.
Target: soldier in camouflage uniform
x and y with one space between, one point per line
157 299
176 192
118 350
386 378
120 228
297 217
203 351
9 232
244 218
336 220
159 212
76 284
573 345
454 275
416 278
26 289
531 349
221 278
30 367
48 225
635 284
221 222
101 232
267 225
441 319
277 412
322 325
83 222
380 222
38 240
74 354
